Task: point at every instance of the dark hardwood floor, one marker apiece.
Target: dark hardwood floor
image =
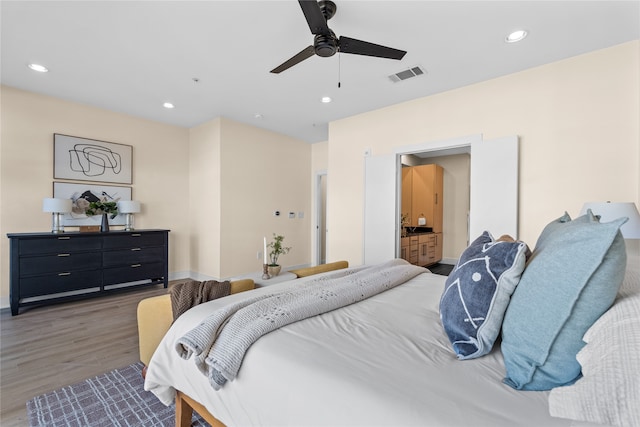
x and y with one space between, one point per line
45 348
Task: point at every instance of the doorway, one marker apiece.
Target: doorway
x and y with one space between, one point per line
321 218
493 191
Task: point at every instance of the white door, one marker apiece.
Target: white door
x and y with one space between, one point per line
493 204
380 208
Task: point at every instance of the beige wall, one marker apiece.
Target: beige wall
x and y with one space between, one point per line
239 176
160 167
579 126
215 186
261 172
204 200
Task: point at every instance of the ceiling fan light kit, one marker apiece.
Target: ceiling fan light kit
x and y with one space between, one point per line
326 43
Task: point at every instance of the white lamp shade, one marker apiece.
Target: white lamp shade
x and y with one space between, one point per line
128 206
611 211
56 205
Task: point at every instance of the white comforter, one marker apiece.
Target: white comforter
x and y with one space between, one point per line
383 361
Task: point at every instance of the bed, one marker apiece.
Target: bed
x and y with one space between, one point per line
383 361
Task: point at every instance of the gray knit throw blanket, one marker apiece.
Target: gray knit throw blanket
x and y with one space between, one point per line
221 340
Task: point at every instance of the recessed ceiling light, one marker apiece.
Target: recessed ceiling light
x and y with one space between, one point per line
258 116
39 68
326 99
516 36
168 105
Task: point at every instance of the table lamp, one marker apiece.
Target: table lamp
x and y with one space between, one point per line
56 207
608 211
128 207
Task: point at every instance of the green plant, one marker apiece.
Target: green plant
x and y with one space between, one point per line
102 207
276 249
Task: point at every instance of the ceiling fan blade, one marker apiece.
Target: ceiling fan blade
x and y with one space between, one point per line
359 47
305 53
314 16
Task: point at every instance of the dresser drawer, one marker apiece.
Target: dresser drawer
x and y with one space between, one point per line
48 267
55 283
134 240
61 244
132 273
137 255
63 262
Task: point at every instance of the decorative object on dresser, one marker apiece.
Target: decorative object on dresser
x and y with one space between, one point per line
104 208
276 250
82 195
128 207
56 207
46 268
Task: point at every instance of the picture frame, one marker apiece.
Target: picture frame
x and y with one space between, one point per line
84 159
81 194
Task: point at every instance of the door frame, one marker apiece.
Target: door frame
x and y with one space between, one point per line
320 215
446 147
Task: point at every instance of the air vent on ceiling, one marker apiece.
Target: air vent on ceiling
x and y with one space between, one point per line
406 74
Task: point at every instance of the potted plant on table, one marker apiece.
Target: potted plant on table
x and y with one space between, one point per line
276 250
103 208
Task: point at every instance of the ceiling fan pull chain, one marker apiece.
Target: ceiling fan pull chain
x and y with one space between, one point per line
339 56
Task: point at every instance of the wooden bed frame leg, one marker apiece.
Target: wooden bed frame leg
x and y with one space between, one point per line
184 412
185 406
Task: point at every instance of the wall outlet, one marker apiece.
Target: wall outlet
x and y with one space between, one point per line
292 215
276 213
367 152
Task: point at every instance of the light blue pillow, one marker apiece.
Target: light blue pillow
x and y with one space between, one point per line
570 280
477 293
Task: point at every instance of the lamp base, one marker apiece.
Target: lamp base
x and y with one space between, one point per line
56 223
128 226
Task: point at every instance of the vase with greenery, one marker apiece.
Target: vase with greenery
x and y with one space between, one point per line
277 249
105 209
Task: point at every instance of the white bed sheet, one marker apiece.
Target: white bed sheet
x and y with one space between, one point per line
384 361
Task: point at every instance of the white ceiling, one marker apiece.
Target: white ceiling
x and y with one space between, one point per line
131 56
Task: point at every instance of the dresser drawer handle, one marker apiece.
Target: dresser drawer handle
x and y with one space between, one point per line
64 255
136 265
136 235
64 274
135 249
64 238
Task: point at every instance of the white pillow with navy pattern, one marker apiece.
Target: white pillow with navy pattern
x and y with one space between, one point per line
478 291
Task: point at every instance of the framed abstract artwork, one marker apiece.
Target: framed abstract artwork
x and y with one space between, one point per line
83 194
83 159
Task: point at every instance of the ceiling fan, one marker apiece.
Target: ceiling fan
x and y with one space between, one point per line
325 42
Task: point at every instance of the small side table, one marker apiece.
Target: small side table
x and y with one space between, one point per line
284 276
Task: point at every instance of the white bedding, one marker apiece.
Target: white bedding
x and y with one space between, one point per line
383 361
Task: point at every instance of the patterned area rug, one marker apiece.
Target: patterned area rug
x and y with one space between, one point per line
116 398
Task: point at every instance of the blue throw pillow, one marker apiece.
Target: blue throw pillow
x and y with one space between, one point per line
571 279
478 291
